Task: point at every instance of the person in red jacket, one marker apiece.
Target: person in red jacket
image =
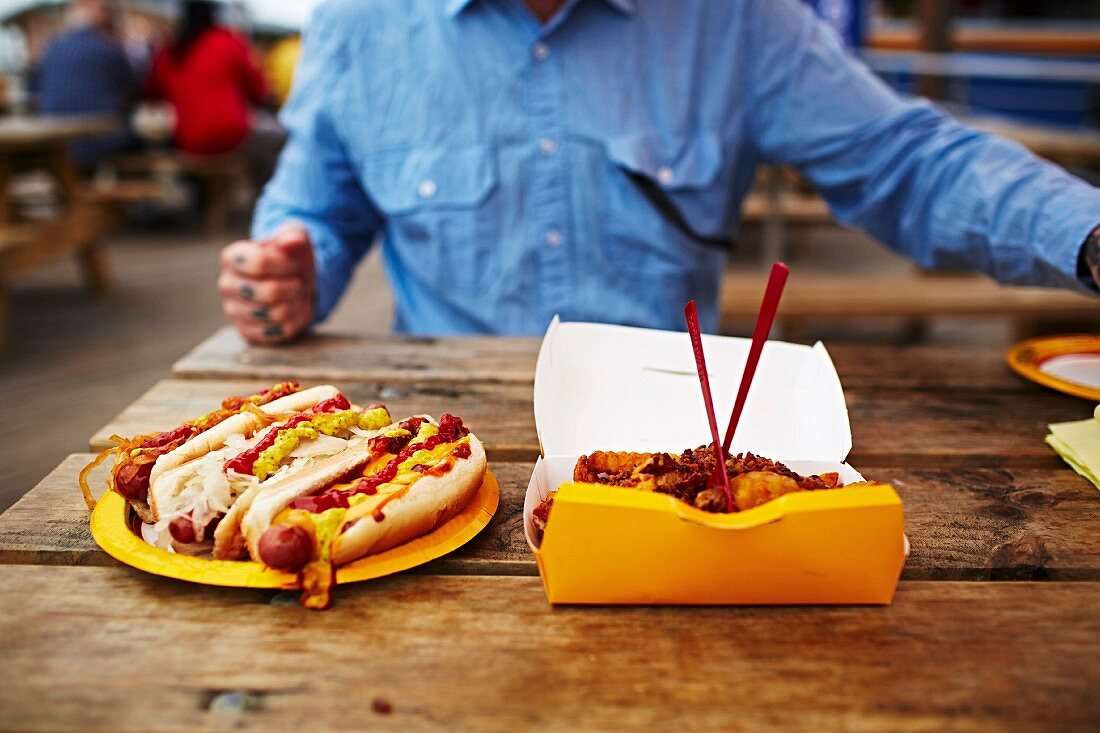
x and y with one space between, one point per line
212 78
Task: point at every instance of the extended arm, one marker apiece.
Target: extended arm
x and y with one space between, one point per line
941 192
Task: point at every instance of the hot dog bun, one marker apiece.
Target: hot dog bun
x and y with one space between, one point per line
429 503
268 501
229 543
172 469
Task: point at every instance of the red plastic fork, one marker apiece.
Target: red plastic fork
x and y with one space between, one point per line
768 307
719 475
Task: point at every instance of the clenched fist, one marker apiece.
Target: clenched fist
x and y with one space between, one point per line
267 287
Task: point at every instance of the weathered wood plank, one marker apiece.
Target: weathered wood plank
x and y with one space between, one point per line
926 367
103 649
890 426
997 524
349 357
837 297
49 526
963 524
500 414
339 357
898 426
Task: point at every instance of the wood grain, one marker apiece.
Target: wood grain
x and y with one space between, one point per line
926 367
49 526
827 296
891 426
340 356
396 359
103 649
963 524
997 524
500 414
933 427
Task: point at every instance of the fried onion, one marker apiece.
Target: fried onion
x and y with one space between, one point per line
84 488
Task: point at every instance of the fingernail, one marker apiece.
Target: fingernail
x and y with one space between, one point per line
260 314
247 292
273 331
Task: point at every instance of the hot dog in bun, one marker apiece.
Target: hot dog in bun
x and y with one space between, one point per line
139 459
301 480
372 497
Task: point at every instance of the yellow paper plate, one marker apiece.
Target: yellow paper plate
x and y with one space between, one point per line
111 528
1027 359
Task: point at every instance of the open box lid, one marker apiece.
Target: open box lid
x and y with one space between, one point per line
601 387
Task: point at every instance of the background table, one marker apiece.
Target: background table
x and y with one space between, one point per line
41 143
994 626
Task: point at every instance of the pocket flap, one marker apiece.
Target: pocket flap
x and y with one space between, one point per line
431 177
675 162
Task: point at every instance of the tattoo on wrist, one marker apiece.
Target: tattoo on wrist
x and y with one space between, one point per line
1090 255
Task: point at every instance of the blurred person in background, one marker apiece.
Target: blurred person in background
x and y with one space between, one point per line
280 62
212 78
138 42
522 158
85 71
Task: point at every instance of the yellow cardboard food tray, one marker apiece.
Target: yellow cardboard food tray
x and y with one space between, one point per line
111 528
603 387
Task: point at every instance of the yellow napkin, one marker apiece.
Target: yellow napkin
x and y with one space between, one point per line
1078 443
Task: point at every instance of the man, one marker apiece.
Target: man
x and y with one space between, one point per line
85 71
586 157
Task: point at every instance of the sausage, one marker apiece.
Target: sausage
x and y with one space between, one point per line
132 480
286 547
182 529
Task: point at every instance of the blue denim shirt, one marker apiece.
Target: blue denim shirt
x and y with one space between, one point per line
499 158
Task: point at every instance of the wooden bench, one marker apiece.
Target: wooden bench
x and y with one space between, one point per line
917 297
216 174
114 197
797 209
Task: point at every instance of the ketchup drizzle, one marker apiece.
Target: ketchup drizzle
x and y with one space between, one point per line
450 430
131 479
335 404
245 462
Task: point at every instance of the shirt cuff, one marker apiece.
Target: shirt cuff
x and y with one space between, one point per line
1084 274
1064 239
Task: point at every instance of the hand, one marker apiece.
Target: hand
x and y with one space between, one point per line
267 287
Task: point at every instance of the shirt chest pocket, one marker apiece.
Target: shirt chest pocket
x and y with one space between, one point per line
672 181
437 205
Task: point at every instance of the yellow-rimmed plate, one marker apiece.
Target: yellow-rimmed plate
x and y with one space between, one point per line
1069 364
111 528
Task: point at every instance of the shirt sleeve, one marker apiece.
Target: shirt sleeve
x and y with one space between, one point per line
939 191
315 182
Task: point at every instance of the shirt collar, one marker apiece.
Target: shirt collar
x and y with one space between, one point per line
454 7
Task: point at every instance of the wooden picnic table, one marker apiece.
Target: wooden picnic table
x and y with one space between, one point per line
75 230
994 626
33 132
47 137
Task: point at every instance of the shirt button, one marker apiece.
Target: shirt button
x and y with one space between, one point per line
554 238
426 189
665 175
541 51
547 145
